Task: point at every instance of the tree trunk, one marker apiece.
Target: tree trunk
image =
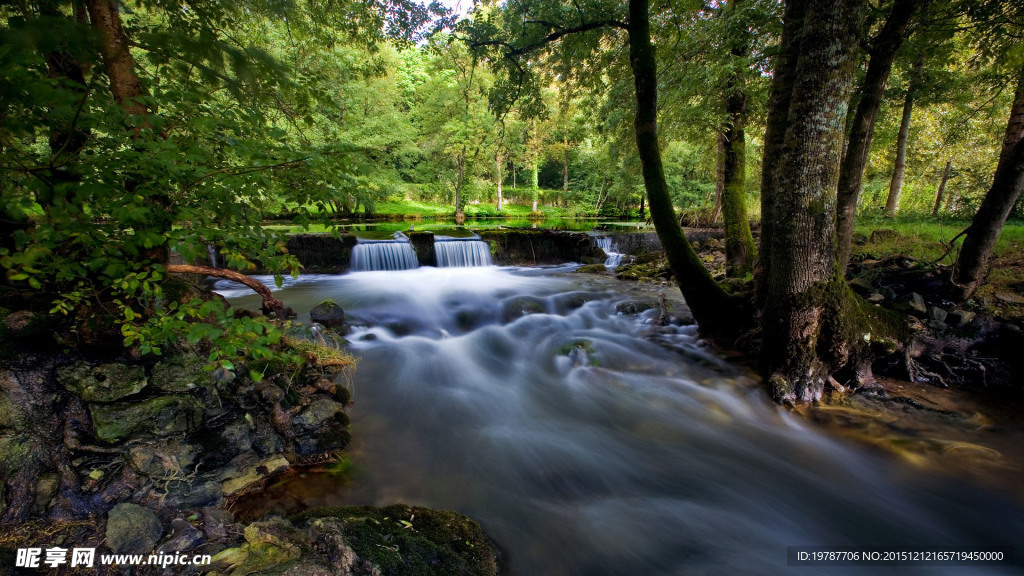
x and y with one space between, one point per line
719 178
708 302
971 265
775 133
497 165
882 54
117 59
798 353
942 188
739 244
460 163
899 169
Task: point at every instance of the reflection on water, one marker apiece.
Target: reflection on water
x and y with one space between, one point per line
591 442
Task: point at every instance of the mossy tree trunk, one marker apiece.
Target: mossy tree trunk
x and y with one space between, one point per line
805 291
710 305
779 98
995 208
899 169
739 244
882 54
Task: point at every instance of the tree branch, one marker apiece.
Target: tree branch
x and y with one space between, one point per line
270 304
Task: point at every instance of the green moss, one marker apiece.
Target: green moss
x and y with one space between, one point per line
162 416
401 540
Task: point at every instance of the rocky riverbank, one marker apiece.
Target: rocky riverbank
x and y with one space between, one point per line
133 455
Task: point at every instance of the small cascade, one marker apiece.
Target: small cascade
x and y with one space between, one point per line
461 253
613 258
394 254
211 251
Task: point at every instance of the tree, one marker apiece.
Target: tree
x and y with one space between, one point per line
881 55
900 166
1006 187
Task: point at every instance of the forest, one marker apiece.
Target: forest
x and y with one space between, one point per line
860 161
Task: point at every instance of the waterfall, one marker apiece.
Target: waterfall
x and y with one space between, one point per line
614 258
461 253
383 255
211 250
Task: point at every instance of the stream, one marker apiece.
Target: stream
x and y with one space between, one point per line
587 440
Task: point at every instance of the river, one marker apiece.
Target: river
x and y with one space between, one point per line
588 441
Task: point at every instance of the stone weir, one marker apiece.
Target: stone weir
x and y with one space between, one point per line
330 253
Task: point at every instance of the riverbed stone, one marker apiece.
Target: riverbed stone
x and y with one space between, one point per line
132 529
937 316
327 313
321 427
862 285
960 317
915 303
103 382
633 307
244 473
191 495
163 415
184 536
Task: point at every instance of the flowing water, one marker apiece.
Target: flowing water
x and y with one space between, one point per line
590 442
383 255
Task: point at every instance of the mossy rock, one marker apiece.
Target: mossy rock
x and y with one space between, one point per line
327 313
399 540
593 269
521 306
103 382
161 416
180 374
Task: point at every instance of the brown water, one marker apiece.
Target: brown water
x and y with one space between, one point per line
590 442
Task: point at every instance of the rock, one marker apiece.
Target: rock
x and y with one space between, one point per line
915 303
876 298
959 317
888 293
162 416
19 321
183 537
132 529
240 478
46 489
321 427
633 307
712 244
180 374
1009 297
862 285
216 523
327 313
162 459
522 306
104 382
593 269
183 495
937 315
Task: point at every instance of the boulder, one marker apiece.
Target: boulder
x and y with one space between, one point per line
162 416
959 317
243 473
915 303
184 537
103 382
180 374
328 314
862 285
132 529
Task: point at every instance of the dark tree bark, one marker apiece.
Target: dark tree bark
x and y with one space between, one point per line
882 54
117 59
708 302
900 167
969 271
775 134
942 188
799 352
739 244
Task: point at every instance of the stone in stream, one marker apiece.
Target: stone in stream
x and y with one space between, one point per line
163 416
328 314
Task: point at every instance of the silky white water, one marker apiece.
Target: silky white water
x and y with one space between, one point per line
590 442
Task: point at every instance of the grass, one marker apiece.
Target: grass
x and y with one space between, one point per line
926 239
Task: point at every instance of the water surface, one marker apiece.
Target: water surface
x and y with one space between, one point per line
589 442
